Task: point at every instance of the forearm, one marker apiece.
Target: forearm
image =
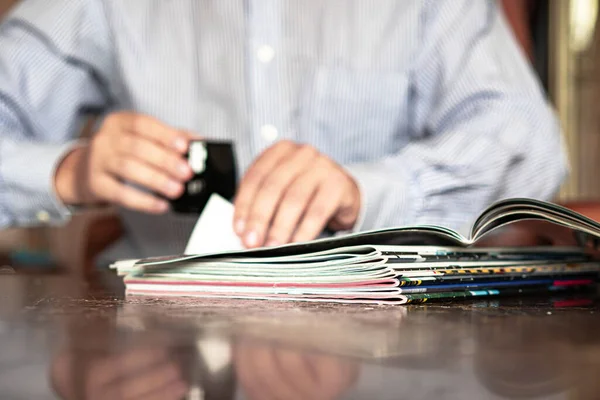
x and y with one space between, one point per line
387 197
402 191
70 176
518 14
42 93
27 193
451 179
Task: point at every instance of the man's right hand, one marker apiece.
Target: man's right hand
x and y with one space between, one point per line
128 148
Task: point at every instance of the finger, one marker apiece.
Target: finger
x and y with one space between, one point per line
155 155
320 210
174 391
154 129
352 372
133 170
270 377
270 193
111 190
246 367
65 379
192 135
149 381
292 206
115 367
253 179
268 381
335 375
298 371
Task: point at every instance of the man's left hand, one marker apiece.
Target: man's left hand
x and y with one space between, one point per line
290 194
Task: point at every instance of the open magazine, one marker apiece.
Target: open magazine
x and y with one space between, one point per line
520 245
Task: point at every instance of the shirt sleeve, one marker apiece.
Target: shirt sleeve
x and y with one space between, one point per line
484 129
54 60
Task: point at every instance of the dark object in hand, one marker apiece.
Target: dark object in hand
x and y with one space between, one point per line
214 169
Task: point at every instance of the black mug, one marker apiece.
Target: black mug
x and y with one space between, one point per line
214 167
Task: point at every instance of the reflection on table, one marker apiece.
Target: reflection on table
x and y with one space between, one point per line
73 339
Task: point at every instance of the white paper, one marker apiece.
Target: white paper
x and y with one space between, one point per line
214 230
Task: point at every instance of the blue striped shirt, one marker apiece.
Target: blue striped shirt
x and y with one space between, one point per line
429 104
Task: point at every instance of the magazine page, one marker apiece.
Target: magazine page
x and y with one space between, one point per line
514 210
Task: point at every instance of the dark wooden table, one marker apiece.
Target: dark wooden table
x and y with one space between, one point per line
80 338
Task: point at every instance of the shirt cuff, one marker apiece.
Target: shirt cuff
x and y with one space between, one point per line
384 197
27 171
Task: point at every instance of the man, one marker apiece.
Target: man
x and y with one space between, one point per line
345 114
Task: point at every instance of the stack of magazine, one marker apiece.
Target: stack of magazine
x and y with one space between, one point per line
517 246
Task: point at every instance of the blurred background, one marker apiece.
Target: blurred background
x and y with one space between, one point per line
560 38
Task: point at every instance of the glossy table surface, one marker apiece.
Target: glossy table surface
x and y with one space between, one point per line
81 338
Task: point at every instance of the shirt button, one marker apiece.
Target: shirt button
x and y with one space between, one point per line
269 132
265 54
43 216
